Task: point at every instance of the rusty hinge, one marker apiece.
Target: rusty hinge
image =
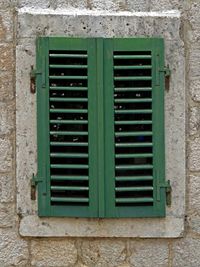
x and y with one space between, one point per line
33 74
167 73
168 190
34 181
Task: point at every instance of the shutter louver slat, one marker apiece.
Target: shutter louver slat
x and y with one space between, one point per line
68 66
68 144
68 88
68 56
67 178
68 102
133 129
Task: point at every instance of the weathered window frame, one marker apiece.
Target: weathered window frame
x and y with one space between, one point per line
30 24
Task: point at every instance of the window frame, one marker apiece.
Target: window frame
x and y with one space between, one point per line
158 24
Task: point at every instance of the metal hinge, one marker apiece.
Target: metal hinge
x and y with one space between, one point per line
167 73
34 181
33 74
168 190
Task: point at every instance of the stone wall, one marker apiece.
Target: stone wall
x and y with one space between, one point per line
90 252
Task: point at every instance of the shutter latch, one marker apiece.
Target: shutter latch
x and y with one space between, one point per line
33 75
168 190
167 73
35 180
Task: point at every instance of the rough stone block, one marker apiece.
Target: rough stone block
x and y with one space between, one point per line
7 57
53 253
194 61
6 188
194 196
192 14
135 5
5 155
149 253
193 221
13 250
7 212
158 5
108 5
6 26
186 253
194 120
6 86
194 155
166 25
26 108
70 4
195 90
102 253
5 4
34 4
7 117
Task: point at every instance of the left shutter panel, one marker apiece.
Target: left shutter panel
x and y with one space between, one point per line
69 153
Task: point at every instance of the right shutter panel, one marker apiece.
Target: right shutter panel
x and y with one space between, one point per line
133 128
138 147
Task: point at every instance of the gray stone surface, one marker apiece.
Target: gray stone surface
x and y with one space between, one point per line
53 253
8 4
174 126
33 4
170 227
149 253
195 90
194 58
193 221
102 253
13 250
7 117
156 5
6 86
194 20
26 141
7 215
6 188
194 121
83 4
109 5
97 24
194 196
194 148
186 253
6 26
5 154
135 5
7 57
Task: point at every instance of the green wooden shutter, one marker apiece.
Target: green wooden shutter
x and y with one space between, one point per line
134 127
100 106
67 150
